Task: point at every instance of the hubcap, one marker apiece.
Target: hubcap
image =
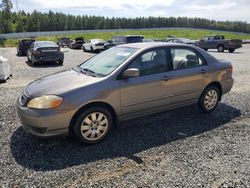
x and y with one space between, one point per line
94 126
210 99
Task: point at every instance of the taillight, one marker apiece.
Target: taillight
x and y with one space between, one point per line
36 52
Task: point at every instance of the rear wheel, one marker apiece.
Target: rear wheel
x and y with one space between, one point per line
60 61
209 99
205 49
231 50
92 125
220 48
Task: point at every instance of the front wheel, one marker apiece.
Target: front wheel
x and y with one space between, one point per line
221 48
209 99
92 125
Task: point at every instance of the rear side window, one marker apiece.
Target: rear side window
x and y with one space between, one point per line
185 58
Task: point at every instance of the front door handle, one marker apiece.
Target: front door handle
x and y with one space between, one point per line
203 71
165 78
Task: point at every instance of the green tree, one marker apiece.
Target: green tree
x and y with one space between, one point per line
6 22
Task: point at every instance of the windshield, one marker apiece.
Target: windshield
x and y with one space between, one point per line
107 61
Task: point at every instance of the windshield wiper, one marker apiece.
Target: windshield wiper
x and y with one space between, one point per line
90 72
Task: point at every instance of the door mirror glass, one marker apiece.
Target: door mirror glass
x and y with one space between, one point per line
131 73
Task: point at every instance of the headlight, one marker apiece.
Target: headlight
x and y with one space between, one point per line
45 102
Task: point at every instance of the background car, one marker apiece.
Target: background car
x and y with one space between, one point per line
65 41
23 45
94 45
182 41
77 43
220 43
44 51
122 83
124 39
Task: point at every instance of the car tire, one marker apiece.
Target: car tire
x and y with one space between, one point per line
209 99
60 61
220 48
205 49
32 62
92 125
231 50
28 58
84 49
91 49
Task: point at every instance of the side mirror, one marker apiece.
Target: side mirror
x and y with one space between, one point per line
131 73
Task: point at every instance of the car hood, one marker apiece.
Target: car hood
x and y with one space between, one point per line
59 83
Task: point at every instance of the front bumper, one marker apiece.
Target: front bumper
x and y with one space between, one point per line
45 123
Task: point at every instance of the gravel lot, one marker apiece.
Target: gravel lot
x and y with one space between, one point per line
180 148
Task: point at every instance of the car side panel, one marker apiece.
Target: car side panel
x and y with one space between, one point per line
188 83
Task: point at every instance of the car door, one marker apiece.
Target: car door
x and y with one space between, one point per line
189 74
152 89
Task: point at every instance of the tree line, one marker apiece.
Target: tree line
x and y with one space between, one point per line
54 21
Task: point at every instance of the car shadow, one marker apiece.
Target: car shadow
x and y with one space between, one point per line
44 64
129 139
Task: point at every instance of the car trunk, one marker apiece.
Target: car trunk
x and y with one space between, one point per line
49 50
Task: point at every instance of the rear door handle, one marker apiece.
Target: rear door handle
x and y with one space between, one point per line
165 78
203 71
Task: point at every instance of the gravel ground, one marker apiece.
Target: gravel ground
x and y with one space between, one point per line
179 148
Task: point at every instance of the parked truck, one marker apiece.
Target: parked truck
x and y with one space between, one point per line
220 43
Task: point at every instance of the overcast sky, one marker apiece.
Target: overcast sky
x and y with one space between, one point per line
212 9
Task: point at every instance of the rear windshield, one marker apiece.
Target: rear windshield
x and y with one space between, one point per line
27 42
45 44
134 39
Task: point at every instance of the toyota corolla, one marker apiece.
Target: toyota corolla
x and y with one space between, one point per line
121 83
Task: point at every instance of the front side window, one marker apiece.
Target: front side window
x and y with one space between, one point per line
185 58
107 61
151 62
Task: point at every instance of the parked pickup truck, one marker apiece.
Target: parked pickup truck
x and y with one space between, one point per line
220 43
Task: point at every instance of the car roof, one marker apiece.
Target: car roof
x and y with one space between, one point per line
145 45
27 39
128 36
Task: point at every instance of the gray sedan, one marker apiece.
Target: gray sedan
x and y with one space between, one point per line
121 83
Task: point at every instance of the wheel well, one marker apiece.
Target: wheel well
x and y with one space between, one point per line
220 45
218 85
93 104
